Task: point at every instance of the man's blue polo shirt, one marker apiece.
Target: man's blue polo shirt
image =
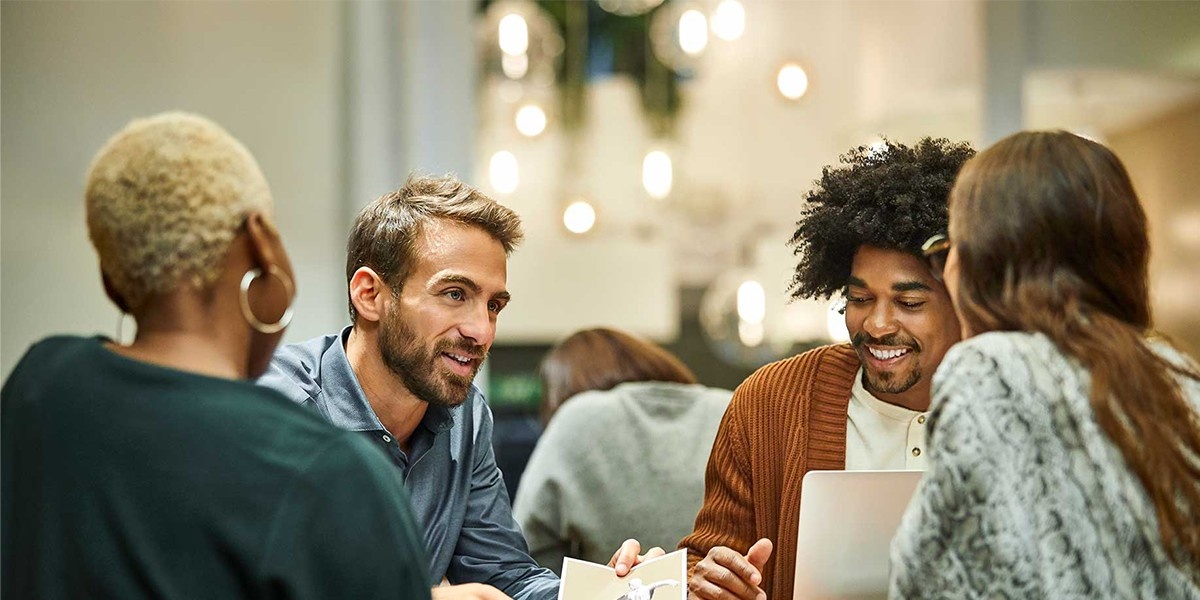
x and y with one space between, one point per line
457 492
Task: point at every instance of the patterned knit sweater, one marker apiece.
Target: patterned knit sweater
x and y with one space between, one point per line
785 420
1025 496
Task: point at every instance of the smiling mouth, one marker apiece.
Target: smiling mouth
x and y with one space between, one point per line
888 355
460 358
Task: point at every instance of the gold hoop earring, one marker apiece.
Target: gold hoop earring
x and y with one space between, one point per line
244 297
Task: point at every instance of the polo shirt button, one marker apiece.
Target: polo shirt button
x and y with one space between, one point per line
387 438
916 452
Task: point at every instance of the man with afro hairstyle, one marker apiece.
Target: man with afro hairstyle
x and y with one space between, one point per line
846 406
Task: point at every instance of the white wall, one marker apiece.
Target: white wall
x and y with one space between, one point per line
74 73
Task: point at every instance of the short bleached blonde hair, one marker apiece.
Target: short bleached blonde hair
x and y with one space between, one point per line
165 198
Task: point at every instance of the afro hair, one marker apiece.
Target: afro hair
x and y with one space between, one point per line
890 196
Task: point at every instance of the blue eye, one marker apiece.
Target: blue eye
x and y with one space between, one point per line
456 295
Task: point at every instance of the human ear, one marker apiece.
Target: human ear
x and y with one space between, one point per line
368 293
266 247
266 255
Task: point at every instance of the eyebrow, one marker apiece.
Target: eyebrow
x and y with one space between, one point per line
911 286
902 286
470 284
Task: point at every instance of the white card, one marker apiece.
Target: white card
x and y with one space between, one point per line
662 578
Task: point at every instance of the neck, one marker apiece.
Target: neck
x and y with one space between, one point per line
183 331
397 408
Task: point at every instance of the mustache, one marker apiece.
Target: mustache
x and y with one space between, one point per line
892 339
463 347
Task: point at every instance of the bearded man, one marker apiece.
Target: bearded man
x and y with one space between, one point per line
857 406
427 273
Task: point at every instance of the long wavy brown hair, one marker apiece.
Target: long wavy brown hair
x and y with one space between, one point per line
599 359
1052 238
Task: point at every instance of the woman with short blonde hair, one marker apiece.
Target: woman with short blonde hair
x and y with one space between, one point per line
154 469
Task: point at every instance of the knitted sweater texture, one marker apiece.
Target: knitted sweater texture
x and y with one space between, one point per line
1025 495
785 420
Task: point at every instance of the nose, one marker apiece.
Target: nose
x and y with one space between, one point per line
880 321
479 326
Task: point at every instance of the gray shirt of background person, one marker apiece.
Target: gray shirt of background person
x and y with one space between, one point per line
458 494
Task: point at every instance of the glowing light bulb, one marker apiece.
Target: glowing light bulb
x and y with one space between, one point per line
514 34
792 81
751 334
531 120
751 301
693 32
579 217
504 172
657 174
515 66
729 20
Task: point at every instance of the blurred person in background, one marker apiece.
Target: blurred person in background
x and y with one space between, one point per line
1065 435
154 469
856 406
628 434
427 272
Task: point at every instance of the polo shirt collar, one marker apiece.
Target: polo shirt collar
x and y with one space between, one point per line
352 411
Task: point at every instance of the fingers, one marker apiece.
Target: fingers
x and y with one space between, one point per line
760 553
654 552
625 557
725 574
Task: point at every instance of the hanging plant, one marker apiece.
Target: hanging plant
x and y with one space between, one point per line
595 43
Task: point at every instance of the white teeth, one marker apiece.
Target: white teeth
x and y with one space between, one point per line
887 354
462 359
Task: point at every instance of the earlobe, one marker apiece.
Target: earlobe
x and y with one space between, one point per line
367 292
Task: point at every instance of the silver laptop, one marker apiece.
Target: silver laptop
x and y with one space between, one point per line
847 521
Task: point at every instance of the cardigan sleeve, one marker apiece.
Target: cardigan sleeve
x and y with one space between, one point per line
966 532
727 516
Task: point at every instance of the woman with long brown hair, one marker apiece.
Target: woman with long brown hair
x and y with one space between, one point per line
1065 436
628 436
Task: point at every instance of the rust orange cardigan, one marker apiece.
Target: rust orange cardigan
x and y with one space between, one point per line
785 420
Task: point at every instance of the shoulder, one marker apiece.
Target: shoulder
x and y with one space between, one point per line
825 368
44 359
1000 356
598 405
295 370
1001 385
57 347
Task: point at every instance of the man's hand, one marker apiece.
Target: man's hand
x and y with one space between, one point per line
627 556
725 573
467 591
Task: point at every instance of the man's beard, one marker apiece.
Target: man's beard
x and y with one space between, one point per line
419 368
888 382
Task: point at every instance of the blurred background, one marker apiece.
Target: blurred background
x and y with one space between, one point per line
657 151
